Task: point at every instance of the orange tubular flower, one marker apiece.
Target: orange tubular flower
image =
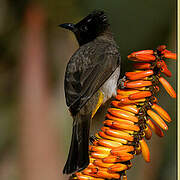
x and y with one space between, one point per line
145 150
166 71
142 57
118 167
122 149
138 75
155 128
137 84
148 133
170 55
126 92
142 65
143 52
123 114
168 87
127 122
129 108
157 119
140 95
161 112
126 100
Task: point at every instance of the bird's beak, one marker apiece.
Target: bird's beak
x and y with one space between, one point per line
69 26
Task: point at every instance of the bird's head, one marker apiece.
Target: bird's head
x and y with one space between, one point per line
93 25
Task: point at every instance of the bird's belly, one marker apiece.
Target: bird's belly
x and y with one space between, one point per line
109 88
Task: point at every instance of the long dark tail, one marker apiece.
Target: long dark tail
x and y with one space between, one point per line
78 157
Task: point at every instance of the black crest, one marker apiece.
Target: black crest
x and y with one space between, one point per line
89 27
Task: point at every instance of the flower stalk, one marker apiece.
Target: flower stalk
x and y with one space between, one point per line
132 117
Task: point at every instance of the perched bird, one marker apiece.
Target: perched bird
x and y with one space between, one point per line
91 79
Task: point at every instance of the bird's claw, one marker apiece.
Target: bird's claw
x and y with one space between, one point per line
120 82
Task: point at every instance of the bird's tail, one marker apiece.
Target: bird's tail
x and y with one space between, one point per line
78 157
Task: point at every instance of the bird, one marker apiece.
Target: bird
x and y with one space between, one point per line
91 79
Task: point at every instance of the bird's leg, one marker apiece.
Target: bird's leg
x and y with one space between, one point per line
120 82
92 139
99 103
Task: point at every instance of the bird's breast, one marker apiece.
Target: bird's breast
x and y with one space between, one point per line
109 88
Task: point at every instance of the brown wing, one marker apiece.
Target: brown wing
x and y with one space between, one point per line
86 72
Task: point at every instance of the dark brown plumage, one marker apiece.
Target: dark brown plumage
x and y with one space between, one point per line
93 69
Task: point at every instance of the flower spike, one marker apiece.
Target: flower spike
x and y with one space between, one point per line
127 123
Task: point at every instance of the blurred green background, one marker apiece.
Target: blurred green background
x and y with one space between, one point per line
135 24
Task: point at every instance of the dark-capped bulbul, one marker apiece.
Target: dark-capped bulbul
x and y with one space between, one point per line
91 78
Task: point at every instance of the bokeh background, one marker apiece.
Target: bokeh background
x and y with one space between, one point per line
35 125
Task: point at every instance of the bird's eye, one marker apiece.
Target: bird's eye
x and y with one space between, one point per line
84 28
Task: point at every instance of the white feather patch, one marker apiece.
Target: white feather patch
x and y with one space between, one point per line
109 88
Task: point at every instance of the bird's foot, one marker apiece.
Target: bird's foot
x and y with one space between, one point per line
92 139
121 82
